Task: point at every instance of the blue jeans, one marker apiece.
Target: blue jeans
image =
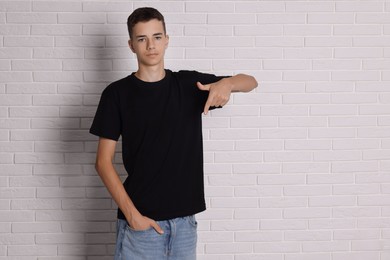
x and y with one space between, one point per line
177 242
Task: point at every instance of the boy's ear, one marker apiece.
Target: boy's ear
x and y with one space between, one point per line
167 42
130 43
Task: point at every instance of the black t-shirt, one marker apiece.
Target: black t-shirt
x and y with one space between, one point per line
161 128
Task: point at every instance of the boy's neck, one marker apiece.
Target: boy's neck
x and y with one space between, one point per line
150 74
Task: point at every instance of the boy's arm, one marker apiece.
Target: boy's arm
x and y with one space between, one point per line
110 178
220 91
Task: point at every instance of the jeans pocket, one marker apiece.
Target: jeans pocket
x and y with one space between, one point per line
192 221
136 230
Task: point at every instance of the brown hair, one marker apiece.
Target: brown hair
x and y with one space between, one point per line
144 14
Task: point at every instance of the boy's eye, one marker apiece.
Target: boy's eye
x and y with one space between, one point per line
141 39
158 37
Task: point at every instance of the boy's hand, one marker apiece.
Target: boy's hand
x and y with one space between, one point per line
143 223
219 93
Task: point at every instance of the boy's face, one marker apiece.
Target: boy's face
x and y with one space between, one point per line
149 42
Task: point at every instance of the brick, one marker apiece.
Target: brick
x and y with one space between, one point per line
51 76
307 190
355 75
305 167
282 202
33 112
305 99
224 157
309 256
55 123
230 248
352 121
14 29
332 201
167 7
308 53
178 18
57 53
355 212
336 65
280 179
233 41
339 155
34 135
15 76
83 65
32 250
256 191
358 52
12 169
82 204
36 65
354 167
356 189
307 144
356 255
307 235
284 110
256 168
258 30
236 64
49 6
356 144
281 18
220 7
332 133
11 6
32 18
106 6
49 192
330 178
372 18
208 30
325 246
330 18
263 236
333 223
307 29
277 247
258 53
35 204
380 41
279 41
81 18
16 239
60 238
259 7
329 87
367 132
30 88
261 145
279 156
56 30
257 213
286 65
14 123
309 7
284 133
326 41
331 109
53 169
36 227
363 6
16 216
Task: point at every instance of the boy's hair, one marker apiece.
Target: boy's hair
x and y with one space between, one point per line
143 14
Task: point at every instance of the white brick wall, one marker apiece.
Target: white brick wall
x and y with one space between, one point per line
299 169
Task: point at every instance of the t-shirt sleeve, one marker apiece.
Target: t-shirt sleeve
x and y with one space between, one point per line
107 120
206 78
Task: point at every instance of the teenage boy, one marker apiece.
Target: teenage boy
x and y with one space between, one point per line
158 114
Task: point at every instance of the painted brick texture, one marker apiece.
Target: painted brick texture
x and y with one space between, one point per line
298 169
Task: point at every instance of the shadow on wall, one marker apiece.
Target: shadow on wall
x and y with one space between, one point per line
88 214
